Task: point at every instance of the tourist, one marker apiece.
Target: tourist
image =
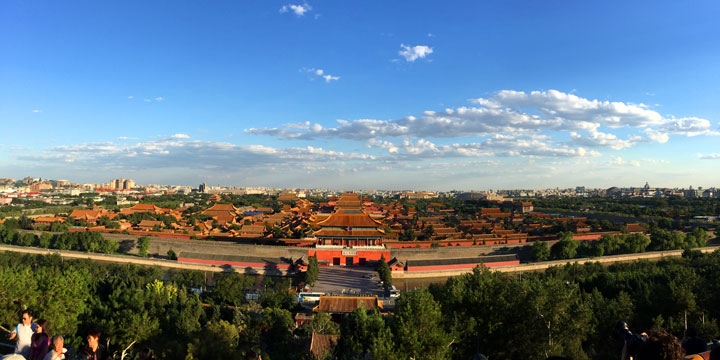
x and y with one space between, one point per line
57 352
661 345
692 343
94 350
40 340
24 332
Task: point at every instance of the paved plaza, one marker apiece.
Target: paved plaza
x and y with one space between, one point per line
338 280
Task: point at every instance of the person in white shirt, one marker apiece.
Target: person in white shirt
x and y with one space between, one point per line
23 332
57 352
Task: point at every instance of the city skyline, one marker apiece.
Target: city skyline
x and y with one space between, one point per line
512 95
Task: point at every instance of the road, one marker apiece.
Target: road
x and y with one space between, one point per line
354 281
125 259
338 280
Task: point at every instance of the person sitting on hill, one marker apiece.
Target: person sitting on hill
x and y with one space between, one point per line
692 343
94 350
24 332
57 352
40 341
661 345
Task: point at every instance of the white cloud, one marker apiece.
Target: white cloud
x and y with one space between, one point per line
182 153
600 139
321 74
570 107
159 98
37 111
390 147
130 97
296 9
498 145
657 136
412 53
715 156
515 112
690 126
180 136
618 161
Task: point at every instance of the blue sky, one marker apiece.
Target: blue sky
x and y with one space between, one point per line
382 94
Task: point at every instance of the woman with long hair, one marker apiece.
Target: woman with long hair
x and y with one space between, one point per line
40 340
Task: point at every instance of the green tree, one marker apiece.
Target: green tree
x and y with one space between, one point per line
171 255
407 235
364 335
384 272
230 288
313 270
277 326
666 240
322 323
57 226
590 249
418 329
25 222
634 243
45 240
564 249
539 251
25 239
143 244
220 342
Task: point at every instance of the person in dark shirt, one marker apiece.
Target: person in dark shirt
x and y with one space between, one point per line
660 345
692 343
94 350
40 341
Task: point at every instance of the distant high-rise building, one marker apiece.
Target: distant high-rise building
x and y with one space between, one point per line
121 184
202 187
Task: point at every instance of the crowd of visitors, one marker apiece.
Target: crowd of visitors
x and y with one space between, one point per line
33 342
659 344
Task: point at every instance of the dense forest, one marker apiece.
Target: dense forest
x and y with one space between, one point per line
566 311
672 207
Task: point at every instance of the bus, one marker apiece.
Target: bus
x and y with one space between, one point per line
309 296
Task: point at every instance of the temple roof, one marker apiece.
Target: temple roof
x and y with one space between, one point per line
320 343
222 207
344 220
347 304
349 233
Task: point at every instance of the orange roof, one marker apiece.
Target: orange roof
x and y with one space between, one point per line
635 228
48 219
352 220
349 233
347 304
150 223
222 207
321 343
145 207
85 214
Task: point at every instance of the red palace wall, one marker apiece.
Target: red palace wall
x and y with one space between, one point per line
428 244
462 266
344 257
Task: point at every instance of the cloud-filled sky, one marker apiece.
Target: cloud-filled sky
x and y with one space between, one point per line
379 95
